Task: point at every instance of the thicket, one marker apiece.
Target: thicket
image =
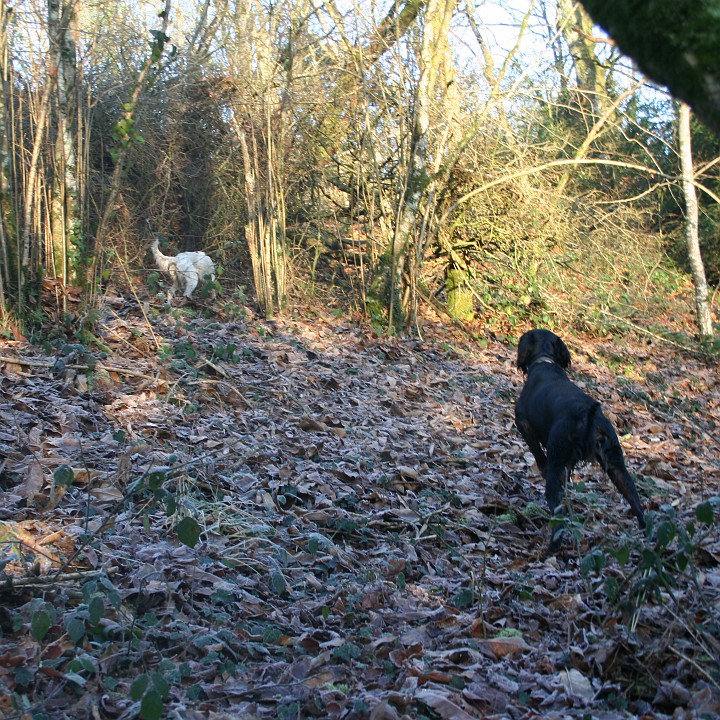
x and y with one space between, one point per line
313 153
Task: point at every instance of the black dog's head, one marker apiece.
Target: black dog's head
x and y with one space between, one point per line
536 344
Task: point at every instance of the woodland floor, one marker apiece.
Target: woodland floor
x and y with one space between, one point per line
373 530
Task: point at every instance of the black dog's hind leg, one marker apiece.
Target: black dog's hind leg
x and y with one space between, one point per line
563 454
610 456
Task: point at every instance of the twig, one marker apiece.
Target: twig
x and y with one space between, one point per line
225 383
697 666
50 363
642 330
53 579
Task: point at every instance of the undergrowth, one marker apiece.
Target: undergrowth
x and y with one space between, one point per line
665 570
92 614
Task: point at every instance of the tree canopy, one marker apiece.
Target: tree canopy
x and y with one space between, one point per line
675 42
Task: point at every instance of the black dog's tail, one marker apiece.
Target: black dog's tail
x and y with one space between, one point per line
607 451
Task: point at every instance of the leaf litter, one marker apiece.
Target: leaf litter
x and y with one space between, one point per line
367 530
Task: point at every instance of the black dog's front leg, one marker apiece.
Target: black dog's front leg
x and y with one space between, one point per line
555 480
533 443
554 486
562 455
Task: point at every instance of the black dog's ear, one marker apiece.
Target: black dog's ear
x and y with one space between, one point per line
526 349
562 354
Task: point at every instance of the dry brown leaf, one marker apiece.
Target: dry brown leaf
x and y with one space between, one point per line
107 493
501 647
33 481
577 685
384 711
442 705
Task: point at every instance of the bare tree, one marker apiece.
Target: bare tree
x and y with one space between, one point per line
692 234
409 240
65 207
31 259
7 209
263 84
576 27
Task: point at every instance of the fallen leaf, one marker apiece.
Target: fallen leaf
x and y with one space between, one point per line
32 483
442 705
577 685
501 647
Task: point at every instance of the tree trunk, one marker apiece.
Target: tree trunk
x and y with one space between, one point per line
65 211
8 222
408 243
460 300
30 256
265 227
692 233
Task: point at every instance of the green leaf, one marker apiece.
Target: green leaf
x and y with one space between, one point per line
622 554
463 599
160 684
612 589
704 513
75 627
79 664
272 635
24 677
63 475
666 531
348 651
593 562
40 624
170 504
79 680
156 478
188 531
96 609
278 583
139 686
151 705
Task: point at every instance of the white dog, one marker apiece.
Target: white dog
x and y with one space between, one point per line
185 269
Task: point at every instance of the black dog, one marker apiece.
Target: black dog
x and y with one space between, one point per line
562 425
